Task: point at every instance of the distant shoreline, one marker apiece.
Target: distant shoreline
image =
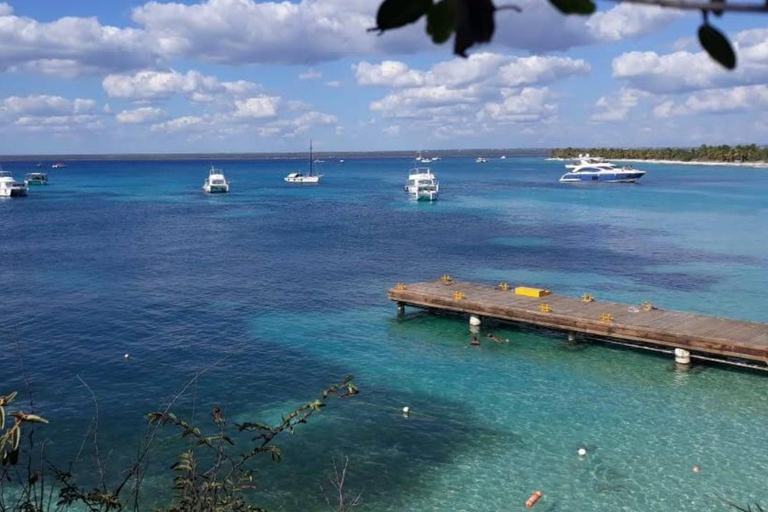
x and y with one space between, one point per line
331 155
759 164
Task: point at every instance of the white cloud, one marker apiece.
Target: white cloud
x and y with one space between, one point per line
311 74
333 83
258 107
717 101
70 46
528 105
686 71
392 130
485 88
182 124
628 20
488 68
139 115
43 105
155 85
616 107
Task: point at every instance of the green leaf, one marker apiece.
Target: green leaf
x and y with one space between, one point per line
475 24
441 23
717 46
580 7
397 13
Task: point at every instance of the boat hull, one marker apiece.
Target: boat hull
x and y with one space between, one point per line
214 189
13 192
306 180
602 177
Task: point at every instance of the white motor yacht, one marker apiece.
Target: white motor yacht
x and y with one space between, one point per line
481 160
422 184
596 169
305 179
216 182
9 187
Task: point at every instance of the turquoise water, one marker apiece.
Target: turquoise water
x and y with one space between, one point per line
290 283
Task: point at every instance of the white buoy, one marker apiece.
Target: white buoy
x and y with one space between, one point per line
682 356
406 409
582 452
127 356
474 320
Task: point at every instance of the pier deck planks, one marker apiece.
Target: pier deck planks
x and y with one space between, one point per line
701 334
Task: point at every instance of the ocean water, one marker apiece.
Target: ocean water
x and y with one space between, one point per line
285 288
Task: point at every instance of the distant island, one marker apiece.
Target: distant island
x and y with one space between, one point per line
734 155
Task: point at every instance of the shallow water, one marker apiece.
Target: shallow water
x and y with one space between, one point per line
290 283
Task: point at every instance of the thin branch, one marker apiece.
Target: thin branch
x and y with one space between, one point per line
687 5
95 422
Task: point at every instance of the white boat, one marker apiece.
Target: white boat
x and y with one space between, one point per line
503 157
481 160
58 165
35 178
9 187
305 179
216 182
596 169
422 184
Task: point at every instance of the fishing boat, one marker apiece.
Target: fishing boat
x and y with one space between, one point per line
305 179
36 179
58 165
481 160
9 187
216 182
422 184
596 169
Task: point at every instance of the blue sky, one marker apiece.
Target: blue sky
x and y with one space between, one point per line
246 76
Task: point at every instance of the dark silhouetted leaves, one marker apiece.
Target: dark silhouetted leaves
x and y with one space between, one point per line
582 7
397 13
474 24
717 46
441 21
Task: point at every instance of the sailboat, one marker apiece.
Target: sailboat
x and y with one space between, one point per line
305 179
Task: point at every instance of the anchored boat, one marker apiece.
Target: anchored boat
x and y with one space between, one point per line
36 179
422 184
590 169
216 182
305 179
9 187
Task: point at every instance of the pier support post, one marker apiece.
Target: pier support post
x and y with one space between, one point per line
400 309
682 357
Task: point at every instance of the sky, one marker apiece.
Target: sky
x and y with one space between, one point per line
121 76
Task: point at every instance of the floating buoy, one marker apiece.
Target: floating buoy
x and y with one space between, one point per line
696 469
127 356
474 320
533 499
582 452
406 410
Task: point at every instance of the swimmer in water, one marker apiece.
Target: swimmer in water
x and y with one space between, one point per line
496 339
474 341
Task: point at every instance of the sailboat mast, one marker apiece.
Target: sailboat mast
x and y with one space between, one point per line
311 160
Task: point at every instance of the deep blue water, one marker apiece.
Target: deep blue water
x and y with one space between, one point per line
290 283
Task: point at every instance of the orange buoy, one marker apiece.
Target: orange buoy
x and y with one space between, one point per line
533 499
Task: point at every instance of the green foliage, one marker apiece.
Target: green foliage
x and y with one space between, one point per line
582 7
398 13
441 21
704 153
473 22
717 46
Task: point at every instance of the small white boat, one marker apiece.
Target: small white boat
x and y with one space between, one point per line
9 187
35 179
595 169
503 157
305 179
481 160
216 182
422 184
58 165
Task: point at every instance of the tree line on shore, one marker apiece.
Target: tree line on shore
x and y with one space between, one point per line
703 153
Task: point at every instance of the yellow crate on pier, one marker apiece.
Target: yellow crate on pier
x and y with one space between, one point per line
531 292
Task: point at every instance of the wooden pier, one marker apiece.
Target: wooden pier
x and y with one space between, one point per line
645 327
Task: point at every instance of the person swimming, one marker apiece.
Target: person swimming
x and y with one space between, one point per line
496 339
474 341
